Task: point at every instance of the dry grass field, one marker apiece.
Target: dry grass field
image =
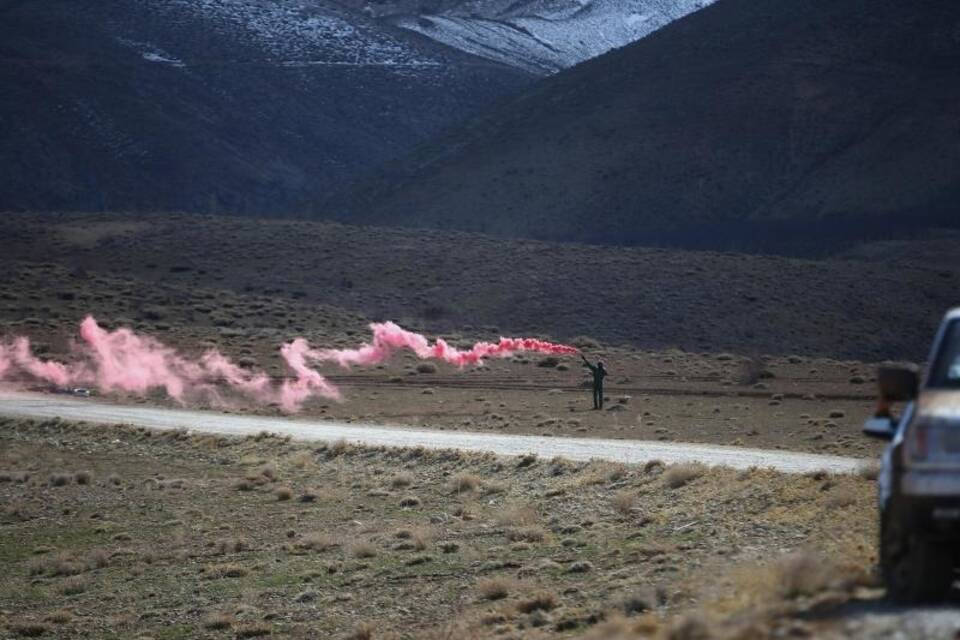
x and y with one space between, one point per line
114 532
246 274
246 286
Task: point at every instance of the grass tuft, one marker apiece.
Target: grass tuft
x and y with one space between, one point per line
683 474
494 588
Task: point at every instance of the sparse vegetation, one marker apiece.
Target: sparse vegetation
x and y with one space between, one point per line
553 523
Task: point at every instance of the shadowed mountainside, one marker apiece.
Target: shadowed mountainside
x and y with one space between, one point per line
746 125
225 105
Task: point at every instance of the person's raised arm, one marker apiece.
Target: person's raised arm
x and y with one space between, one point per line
586 363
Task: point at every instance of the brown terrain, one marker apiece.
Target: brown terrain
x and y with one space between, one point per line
246 286
111 532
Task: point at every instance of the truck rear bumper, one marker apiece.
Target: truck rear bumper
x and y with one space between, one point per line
931 484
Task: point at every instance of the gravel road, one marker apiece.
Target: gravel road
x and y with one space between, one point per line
34 405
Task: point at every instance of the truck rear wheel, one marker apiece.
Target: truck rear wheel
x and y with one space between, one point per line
914 569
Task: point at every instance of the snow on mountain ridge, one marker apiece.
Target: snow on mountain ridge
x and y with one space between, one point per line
302 31
546 35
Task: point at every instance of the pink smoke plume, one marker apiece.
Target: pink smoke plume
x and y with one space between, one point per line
122 360
389 338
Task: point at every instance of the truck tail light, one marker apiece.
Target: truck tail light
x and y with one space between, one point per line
920 444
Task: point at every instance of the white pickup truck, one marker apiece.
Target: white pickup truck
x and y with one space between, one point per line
920 472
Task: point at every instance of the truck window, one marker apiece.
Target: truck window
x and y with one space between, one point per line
945 373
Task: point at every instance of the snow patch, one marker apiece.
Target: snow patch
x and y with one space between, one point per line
301 31
152 53
150 56
547 35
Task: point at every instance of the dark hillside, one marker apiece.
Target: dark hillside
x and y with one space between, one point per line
746 125
228 105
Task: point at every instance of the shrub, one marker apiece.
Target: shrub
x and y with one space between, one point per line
494 588
840 498
654 466
869 471
60 616
225 571
682 474
624 502
318 542
283 493
420 538
98 559
402 479
338 448
465 482
73 585
363 631
30 629
527 534
517 515
363 550
231 545
803 574
540 602
252 630
269 472
59 564
59 479
218 620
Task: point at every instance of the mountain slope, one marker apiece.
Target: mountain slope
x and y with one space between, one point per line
207 105
746 124
537 35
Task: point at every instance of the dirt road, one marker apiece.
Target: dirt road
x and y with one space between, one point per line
30 405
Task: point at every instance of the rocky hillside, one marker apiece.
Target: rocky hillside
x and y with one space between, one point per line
216 105
747 125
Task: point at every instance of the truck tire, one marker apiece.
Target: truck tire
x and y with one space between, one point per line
914 569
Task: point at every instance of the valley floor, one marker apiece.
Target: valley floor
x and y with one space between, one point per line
116 532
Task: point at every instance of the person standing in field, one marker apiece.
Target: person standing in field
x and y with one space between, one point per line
599 373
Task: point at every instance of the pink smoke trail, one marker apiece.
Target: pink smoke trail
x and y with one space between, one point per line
122 360
388 338
293 393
